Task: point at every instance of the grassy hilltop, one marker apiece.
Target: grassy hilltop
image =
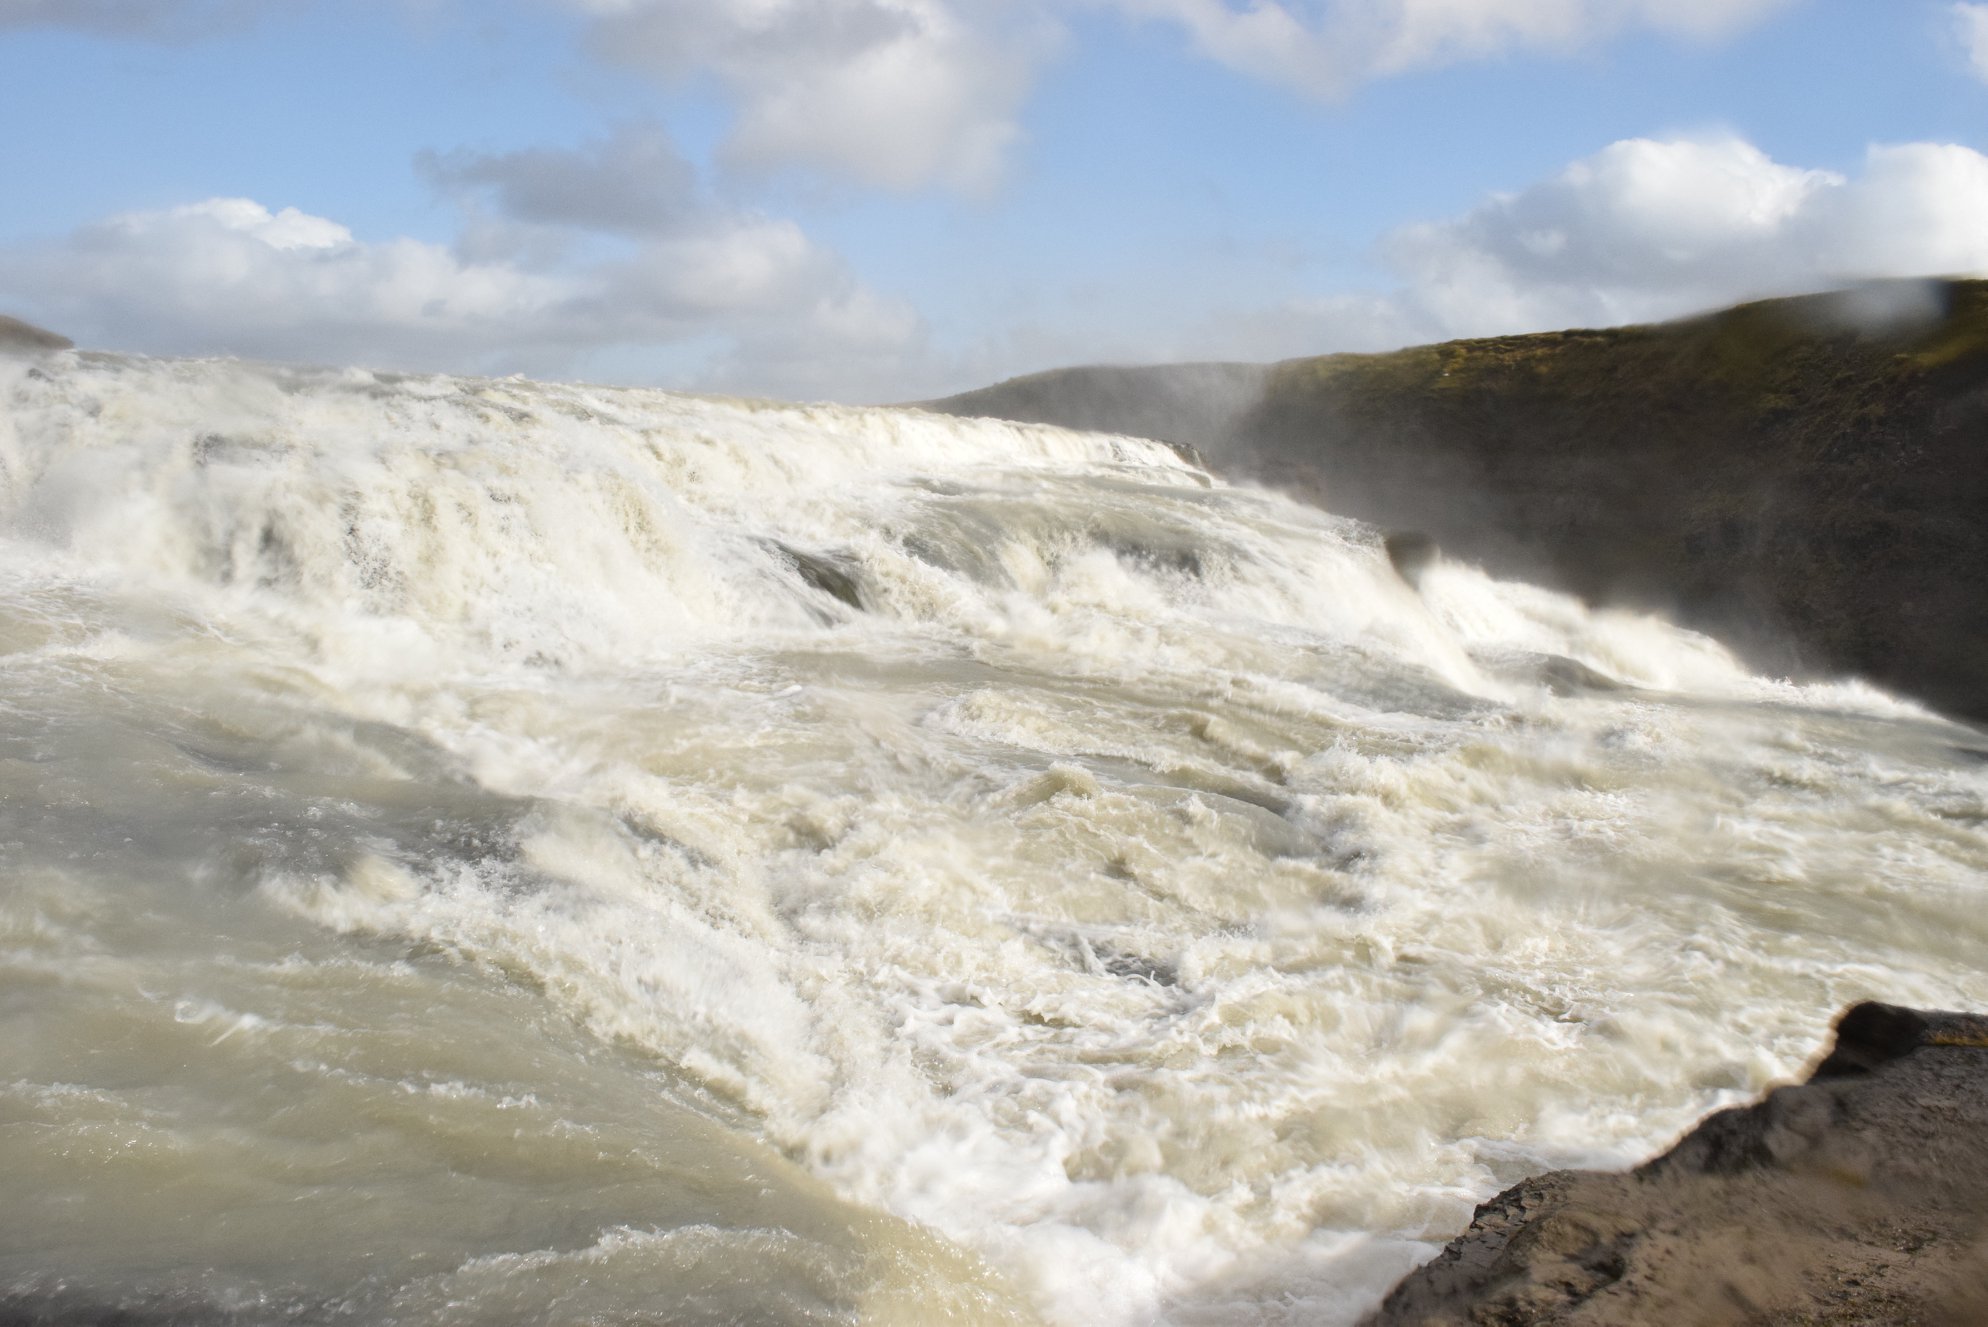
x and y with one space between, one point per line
1807 477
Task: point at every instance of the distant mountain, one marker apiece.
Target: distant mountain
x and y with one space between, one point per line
1806 477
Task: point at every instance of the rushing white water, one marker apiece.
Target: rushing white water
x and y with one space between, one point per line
487 852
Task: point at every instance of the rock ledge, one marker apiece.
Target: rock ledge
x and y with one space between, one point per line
1860 1196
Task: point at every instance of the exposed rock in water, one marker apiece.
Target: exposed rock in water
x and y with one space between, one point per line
1801 477
17 337
1411 552
1860 1196
832 576
1567 677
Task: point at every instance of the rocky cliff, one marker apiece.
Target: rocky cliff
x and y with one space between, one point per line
1804 477
1859 1197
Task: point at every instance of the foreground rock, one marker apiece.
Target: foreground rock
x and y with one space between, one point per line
1801 477
17 337
1859 1197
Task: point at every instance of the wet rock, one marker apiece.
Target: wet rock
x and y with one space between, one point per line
1411 552
1860 1196
832 576
1570 677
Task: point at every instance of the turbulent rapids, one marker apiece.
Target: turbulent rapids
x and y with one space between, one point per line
489 852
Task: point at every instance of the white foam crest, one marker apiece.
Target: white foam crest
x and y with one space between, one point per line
541 523
1629 647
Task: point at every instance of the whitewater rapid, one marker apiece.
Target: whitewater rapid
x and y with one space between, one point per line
487 851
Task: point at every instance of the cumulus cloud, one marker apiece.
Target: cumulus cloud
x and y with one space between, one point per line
895 93
230 275
681 259
1652 229
907 93
1326 47
635 268
1971 26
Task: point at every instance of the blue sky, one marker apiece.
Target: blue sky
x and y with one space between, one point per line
883 199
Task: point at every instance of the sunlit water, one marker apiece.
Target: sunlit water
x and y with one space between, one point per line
486 852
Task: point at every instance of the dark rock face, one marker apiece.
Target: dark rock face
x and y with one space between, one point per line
826 573
1803 477
1411 553
1858 1197
17 337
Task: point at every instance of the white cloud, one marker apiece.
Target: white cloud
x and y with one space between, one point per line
230 276
895 93
1971 26
285 230
1326 47
680 264
905 94
1918 209
1653 229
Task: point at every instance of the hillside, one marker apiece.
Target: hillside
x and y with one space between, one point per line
17 337
1803 476
1181 403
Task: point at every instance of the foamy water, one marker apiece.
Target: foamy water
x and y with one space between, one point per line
486 852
